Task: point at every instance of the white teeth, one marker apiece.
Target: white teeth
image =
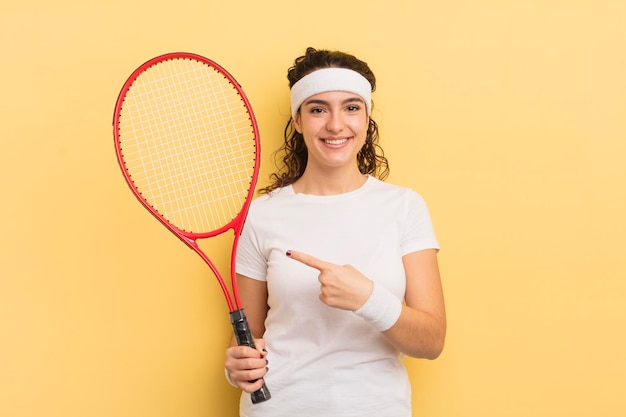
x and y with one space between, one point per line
335 141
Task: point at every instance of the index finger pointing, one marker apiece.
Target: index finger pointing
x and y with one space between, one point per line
308 260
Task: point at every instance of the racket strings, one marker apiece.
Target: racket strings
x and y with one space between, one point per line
188 144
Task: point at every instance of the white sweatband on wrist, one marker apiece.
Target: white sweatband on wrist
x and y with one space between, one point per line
230 381
382 309
330 79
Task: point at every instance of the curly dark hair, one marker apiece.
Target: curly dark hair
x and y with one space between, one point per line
371 159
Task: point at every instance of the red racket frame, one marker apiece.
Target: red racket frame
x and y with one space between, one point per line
190 239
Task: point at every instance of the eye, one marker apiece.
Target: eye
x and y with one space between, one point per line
353 107
316 110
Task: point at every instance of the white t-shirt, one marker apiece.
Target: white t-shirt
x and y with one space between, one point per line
325 361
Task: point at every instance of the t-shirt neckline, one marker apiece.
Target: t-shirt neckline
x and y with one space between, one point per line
364 186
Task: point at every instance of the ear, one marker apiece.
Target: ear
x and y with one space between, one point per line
296 123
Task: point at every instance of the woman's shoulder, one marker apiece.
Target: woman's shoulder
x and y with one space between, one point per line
382 188
272 198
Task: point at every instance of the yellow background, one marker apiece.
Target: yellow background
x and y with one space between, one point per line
509 117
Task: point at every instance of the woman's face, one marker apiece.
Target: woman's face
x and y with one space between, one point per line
334 126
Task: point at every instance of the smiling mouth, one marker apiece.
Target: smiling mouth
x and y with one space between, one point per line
335 141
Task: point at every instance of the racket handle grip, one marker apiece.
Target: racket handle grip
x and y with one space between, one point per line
244 338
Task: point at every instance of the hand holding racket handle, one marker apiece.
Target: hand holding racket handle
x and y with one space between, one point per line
244 338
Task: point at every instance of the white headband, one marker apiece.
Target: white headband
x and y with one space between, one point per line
330 79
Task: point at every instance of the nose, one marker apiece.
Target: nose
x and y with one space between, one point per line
335 122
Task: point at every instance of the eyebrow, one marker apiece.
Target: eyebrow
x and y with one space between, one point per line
326 103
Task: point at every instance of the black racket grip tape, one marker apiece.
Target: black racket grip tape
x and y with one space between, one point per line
244 338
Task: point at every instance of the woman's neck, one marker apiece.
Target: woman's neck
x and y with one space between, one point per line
328 182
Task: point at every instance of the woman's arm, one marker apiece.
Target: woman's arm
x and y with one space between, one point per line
421 328
253 296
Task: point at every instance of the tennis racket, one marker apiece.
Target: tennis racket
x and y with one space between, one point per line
188 145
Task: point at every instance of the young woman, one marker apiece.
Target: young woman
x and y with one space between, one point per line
337 270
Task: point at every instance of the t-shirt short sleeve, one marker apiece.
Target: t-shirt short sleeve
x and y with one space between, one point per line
250 259
418 233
